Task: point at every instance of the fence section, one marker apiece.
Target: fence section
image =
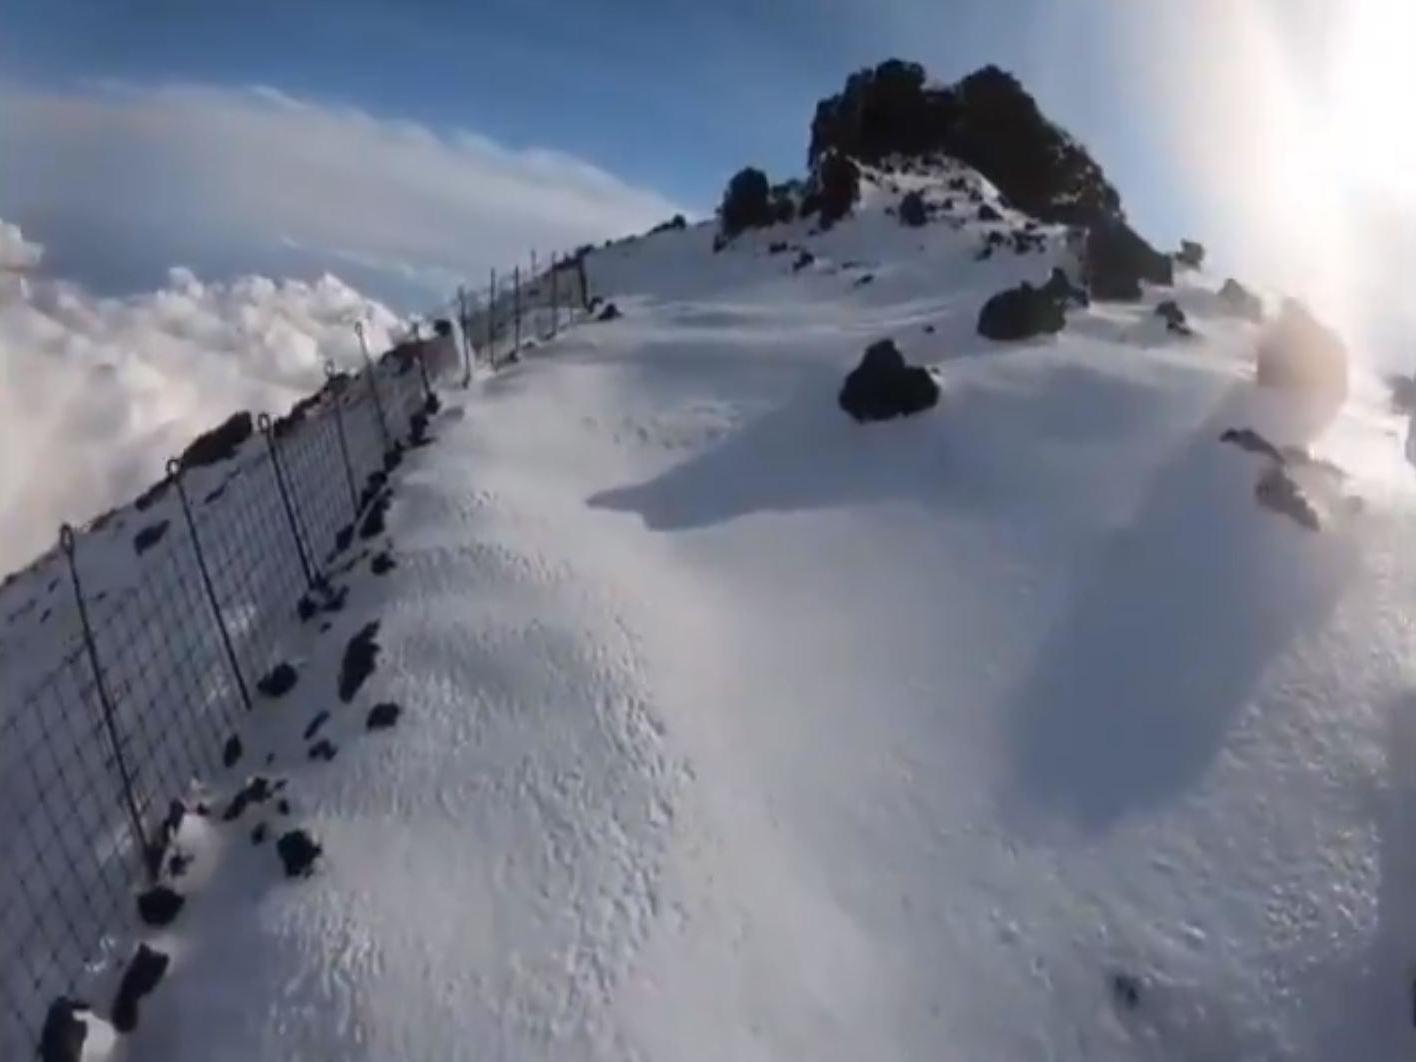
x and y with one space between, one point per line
180 628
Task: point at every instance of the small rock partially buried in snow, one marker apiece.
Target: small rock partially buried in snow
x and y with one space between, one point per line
298 852
143 974
231 751
360 658
882 386
160 905
149 536
383 716
279 681
62 1039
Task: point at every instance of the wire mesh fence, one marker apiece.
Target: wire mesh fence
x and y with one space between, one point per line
174 635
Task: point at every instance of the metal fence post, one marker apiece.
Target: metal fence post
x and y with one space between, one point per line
330 374
492 320
371 369
263 422
174 474
150 855
555 304
464 318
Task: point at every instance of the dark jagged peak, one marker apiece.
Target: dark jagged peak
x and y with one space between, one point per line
987 120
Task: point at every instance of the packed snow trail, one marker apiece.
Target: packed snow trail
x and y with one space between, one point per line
737 730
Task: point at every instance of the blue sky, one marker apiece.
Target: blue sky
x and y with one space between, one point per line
664 99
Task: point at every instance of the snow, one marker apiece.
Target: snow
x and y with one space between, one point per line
734 729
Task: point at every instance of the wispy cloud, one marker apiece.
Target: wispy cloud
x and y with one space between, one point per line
117 176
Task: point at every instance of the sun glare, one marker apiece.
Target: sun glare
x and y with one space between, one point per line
1374 83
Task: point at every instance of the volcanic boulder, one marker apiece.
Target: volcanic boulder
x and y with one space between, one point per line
882 386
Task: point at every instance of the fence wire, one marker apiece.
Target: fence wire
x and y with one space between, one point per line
163 655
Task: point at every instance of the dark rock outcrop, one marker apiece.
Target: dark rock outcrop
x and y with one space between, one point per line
1118 259
804 259
746 203
219 444
611 312
987 120
313 727
837 186
1021 313
882 386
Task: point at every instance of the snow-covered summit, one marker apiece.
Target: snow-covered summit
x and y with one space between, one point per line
736 729
1042 724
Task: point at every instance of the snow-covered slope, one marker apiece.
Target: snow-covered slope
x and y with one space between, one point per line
737 730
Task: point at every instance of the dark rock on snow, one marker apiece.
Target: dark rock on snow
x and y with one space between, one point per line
1117 260
1174 318
837 187
314 725
988 213
383 563
219 444
882 386
1250 441
256 791
912 211
1277 492
360 658
323 750
611 312
746 203
1241 302
383 716
159 906
987 121
231 751
373 522
259 833
1126 990
804 259
279 681
143 975
150 497
1020 313
862 281
149 536
64 1033
1192 254
1061 289
298 852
